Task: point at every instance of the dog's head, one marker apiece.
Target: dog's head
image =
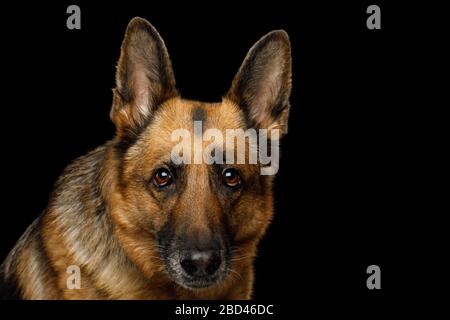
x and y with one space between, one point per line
198 222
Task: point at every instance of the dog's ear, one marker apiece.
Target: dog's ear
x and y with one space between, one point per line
262 85
144 77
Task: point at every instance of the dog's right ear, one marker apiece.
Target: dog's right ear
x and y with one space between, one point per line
144 77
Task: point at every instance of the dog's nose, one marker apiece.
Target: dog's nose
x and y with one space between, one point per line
201 263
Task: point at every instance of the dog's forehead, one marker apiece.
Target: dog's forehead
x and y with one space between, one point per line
193 116
162 133
182 114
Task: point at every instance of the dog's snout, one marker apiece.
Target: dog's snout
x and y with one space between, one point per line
201 263
199 257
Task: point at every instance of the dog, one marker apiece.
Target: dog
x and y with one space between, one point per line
134 224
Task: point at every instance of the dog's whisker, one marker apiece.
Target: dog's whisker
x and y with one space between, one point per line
232 272
240 257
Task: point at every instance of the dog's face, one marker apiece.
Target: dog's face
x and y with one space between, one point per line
197 222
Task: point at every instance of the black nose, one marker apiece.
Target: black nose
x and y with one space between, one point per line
201 263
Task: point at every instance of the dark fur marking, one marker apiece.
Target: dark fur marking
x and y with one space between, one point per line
164 237
9 288
199 114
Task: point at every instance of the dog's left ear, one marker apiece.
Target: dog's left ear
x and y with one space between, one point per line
262 85
144 77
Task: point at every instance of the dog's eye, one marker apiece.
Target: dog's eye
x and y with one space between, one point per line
231 178
162 178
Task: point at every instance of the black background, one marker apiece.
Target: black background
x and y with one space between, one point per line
339 194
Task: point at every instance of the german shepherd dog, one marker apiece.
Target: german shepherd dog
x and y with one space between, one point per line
137 225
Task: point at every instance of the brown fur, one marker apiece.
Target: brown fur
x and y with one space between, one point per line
105 217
